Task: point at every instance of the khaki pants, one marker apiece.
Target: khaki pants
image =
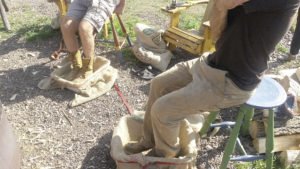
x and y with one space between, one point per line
181 91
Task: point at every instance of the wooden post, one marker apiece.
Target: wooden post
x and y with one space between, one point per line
62 6
174 19
105 29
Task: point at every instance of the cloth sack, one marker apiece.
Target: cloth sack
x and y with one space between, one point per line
99 83
150 48
150 38
130 128
157 60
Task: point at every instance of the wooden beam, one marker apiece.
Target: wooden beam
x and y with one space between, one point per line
289 158
281 143
281 128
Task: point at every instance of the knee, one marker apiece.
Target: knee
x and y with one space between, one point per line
65 25
85 28
156 83
158 111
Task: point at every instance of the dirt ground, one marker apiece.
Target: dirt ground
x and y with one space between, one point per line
52 135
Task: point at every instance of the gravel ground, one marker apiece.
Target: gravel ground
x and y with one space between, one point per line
51 134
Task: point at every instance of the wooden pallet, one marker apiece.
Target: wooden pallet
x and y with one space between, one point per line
187 41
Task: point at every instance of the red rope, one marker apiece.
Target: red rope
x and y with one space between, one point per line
123 99
153 163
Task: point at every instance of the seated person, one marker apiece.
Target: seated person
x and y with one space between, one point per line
219 80
87 18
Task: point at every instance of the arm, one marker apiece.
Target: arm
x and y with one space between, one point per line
224 5
265 5
120 7
218 16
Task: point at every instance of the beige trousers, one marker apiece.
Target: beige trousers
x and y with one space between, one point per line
183 90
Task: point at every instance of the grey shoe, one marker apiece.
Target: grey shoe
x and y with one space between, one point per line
287 58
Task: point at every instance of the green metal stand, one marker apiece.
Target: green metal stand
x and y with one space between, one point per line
232 139
270 140
211 117
249 112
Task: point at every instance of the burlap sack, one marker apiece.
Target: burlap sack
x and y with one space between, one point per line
100 82
150 38
130 129
157 60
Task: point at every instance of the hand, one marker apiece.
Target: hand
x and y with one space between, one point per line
119 8
229 4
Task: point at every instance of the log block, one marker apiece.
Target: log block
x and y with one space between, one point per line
281 143
290 127
290 158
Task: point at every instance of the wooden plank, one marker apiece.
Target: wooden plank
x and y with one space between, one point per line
188 36
289 158
281 127
184 6
182 40
183 34
172 41
281 143
180 45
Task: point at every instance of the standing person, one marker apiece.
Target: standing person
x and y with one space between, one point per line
295 44
86 17
219 80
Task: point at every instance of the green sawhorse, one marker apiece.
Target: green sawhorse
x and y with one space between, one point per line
268 95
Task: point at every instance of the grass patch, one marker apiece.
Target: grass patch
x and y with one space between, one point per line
28 25
260 164
281 48
129 56
250 165
191 18
294 23
189 22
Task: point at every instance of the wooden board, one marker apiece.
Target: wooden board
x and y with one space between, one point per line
281 128
290 158
281 143
185 40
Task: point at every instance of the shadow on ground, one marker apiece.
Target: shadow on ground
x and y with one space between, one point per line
39 38
18 85
99 155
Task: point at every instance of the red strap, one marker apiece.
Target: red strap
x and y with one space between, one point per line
123 98
158 163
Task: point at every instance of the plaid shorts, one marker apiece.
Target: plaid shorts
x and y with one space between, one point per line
95 12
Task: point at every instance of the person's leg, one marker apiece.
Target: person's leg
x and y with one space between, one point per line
210 90
69 28
92 22
86 33
295 44
173 79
